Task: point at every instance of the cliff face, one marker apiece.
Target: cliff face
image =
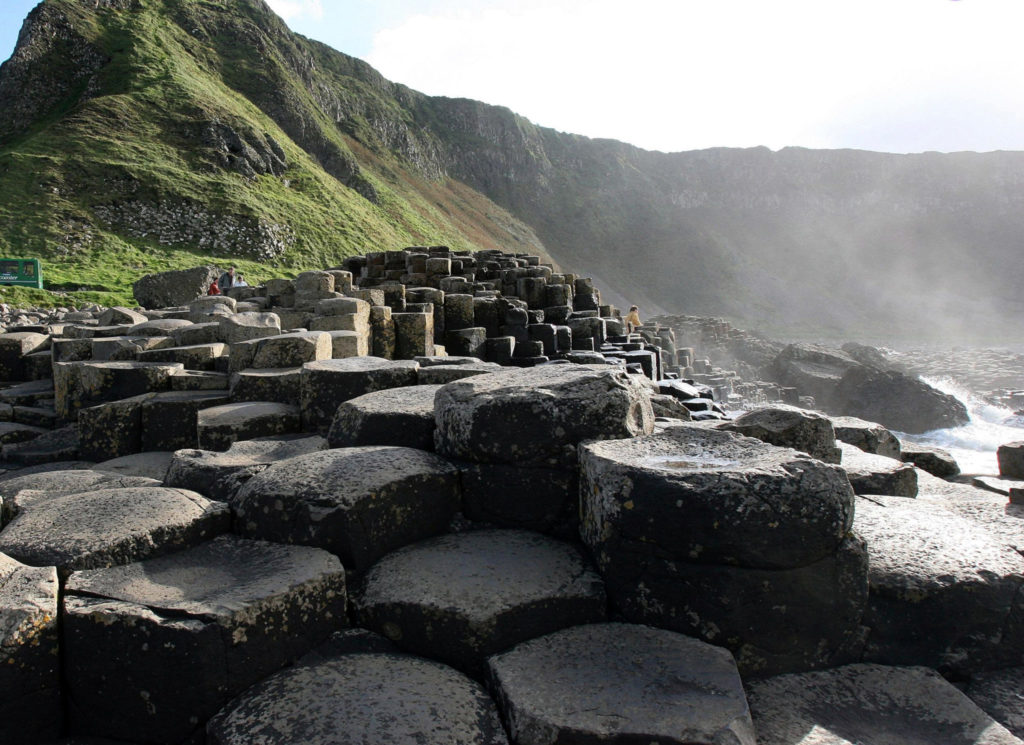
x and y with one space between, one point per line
139 110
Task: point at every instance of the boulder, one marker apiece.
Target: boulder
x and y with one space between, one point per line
248 326
155 648
386 699
178 287
813 369
789 427
110 526
877 474
461 598
697 494
538 416
897 401
617 682
1011 460
869 705
120 315
395 416
30 707
359 503
868 436
934 460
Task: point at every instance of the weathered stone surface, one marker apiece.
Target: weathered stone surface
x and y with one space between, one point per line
868 436
541 499
868 705
945 592
1000 694
219 475
696 494
538 416
120 315
195 357
14 345
877 474
189 631
81 384
278 385
57 445
1011 460
395 416
110 526
621 683
30 707
440 374
150 464
461 598
13 432
247 326
170 420
219 426
934 460
325 385
897 401
379 698
812 369
112 429
178 287
196 333
70 481
359 503
669 407
158 327
789 427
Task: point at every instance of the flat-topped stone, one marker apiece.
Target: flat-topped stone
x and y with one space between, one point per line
697 494
394 416
537 416
219 426
106 527
81 384
30 707
329 383
869 705
789 427
278 385
219 475
150 464
870 437
462 597
386 699
440 374
878 474
359 503
618 682
934 460
944 590
58 482
155 648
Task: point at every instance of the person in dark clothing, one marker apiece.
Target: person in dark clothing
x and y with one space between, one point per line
227 280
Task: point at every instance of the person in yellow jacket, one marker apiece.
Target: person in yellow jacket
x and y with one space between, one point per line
633 319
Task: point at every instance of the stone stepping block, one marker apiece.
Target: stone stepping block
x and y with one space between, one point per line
358 503
219 426
697 494
107 527
395 416
945 591
283 350
618 682
30 707
933 460
14 432
789 427
64 465
247 326
462 597
868 436
152 464
541 499
982 507
327 384
197 333
1010 458
53 446
869 705
361 698
28 394
158 327
155 648
81 384
878 474
440 374
193 357
14 346
1000 694
280 385
220 475
537 416
54 483
199 380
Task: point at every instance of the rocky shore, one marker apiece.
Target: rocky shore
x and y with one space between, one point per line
431 496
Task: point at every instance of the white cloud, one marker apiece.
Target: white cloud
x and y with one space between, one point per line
292 9
685 74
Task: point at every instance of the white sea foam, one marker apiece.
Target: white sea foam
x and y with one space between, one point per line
974 444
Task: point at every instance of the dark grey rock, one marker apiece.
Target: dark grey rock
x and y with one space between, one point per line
1011 460
934 460
359 503
537 416
54 446
155 648
219 426
869 705
541 499
621 683
54 483
463 597
107 527
877 474
897 401
81 384
395 416
1000 694
329 383
178 287
374 698
789 427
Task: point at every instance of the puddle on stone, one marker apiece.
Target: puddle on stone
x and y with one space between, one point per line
687 462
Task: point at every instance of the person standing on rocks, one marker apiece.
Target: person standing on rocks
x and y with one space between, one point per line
633 319
227 280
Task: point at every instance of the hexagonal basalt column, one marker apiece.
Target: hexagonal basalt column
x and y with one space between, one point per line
463 597
327 384
396 416
154 649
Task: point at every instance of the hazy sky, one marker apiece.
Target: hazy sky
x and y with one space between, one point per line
892 75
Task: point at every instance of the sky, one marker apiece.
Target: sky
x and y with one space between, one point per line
671 75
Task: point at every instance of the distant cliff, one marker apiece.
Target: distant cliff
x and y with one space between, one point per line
142 128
